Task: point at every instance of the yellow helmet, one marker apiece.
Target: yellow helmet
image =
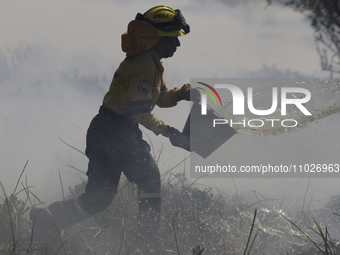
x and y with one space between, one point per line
167 21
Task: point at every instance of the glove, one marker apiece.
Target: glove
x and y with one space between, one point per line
189 94
177 138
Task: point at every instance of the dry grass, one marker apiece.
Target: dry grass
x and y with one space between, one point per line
194 221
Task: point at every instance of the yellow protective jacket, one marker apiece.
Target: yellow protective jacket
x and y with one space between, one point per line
138 86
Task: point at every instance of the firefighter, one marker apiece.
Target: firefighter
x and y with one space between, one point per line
114 142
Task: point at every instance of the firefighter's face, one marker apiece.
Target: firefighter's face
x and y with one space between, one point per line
166 47
173 43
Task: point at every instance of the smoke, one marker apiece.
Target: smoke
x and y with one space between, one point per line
44 99
57 60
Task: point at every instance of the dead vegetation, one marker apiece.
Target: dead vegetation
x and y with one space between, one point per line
194 221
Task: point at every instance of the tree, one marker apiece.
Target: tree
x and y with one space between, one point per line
325 20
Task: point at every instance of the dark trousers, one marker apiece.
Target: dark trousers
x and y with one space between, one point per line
115 146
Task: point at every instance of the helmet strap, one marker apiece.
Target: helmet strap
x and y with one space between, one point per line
167 47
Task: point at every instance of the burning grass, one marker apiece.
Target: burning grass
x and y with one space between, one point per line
194 221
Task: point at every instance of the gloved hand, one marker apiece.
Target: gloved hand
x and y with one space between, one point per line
177 138
189 94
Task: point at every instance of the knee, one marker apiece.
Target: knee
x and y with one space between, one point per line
98 204
98 201
150 184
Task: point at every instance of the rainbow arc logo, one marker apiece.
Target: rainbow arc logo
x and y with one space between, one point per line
209 93
239 99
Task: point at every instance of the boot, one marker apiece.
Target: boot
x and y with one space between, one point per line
54 218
